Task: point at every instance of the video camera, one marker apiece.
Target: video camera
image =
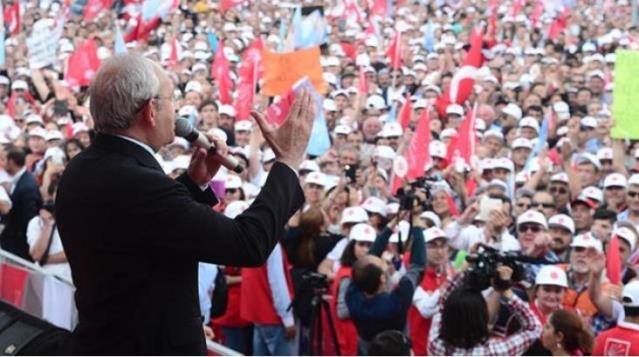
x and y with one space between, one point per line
484 265
315 281
408 199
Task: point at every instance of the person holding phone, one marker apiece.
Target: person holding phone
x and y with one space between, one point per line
45 246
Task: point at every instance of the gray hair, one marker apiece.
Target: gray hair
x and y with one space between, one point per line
120 88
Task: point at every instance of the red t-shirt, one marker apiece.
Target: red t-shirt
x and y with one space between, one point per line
622 340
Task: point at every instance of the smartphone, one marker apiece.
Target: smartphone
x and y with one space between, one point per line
487 205
350 172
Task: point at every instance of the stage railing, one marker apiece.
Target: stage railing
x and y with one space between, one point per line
50 297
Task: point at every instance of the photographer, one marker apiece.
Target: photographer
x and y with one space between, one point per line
460 327
44 242
373 305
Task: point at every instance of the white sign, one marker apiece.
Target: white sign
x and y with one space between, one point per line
42 45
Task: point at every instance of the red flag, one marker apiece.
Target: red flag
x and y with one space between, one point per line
83 64
613 261
406 112
142 29
462 146
461 85
537 11
394 51
249 72
94 7
516 7
68 130
12 17
13 281
225 5
362 82
371 29
379 8
276 113
558 25
418 154
350 49
26 96
221 72
173 55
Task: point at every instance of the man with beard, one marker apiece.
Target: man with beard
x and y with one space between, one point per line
561 228
579 273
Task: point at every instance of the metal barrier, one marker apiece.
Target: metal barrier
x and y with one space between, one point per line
213 347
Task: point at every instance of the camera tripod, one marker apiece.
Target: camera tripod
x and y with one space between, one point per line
316 338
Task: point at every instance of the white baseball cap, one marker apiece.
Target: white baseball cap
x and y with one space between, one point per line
227 109
433 233
562 221
308 165
448 133
354 214
363 232
316 178
235 208
455 109
560 177
604 153
342 129
243 125
630 294
433 217
628 235
437 149
532 216
587 241
54 135
503 163
589 122
38 131
495 133
589 158
633 180
513 110
615 179
376 101
392 208
593 193
384 151
375 205
232 182
268 155
551 275
391 129
521 143
529 122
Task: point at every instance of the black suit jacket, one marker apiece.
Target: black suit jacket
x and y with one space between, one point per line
26 201
134 236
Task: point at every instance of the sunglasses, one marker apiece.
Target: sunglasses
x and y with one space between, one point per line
558 190
231 190
633 194
579 249
542 204
523 205
529 227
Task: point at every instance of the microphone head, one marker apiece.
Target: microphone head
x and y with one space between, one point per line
183 128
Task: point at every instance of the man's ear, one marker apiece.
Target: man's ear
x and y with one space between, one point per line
148 114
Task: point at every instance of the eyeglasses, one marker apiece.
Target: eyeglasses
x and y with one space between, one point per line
523 228
523 205
579 249
542 204
231 190
558 190
633 194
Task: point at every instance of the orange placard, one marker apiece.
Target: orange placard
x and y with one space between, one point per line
282 70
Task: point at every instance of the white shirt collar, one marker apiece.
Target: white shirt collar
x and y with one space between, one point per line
18 175
138 142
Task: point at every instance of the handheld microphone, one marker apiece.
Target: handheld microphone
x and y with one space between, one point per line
184 129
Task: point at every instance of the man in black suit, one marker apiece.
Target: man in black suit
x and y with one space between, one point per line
134 236
26 202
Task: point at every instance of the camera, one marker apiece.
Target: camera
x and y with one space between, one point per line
484 265
408 199
350 172
316 281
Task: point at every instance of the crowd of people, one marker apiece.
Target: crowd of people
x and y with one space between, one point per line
527 248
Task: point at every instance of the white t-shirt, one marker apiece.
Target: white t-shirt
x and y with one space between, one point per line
33 233
4 196
336 253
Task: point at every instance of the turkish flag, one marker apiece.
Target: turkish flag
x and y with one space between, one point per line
417 154
142 29
406 112
221 72
249 73
26 96
83 64
461 85
613 261
94 7
350 49
276 113
12 17
394 51
463 144
558 25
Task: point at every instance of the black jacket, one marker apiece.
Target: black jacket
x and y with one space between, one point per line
26 201
134 236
